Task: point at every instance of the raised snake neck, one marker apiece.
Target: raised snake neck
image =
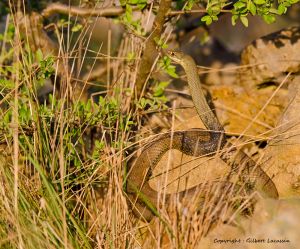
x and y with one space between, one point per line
195 142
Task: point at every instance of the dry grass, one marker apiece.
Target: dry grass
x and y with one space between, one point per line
58 189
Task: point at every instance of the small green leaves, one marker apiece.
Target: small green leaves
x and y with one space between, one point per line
239 5
159 89
283 6
269 18
77 27
267 9
244 20
39 55
213 9
259 2
46 68
240 11
234 19
130 22
63 23
24 114
161 43
165 64
252 8
207 19
143 103
281 9
10 32
189 4
139 3
130 56
156 99
6 84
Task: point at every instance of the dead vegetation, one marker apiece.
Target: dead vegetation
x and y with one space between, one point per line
76 111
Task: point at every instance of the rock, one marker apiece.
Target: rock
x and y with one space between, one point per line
269 58
283 153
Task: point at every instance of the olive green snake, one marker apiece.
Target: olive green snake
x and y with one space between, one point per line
194 142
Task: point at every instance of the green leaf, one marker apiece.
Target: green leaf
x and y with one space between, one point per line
39 55
239 5
252 8
128 13
159 89
130 56
244 21
8 84
215 10
161 43
141 5
171 71
189 5
214 18
259 2
269 19
233 19
273 11
76 27
207 19
134 2
123 2
281 9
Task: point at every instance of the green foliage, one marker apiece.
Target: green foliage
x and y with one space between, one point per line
9 34
131 23
52 135
165 64
76 27
139 3
45 66
155 100
267 9
74 24
160 43
188 5
213 8
128 20
159 88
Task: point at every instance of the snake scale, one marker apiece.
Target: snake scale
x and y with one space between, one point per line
194 142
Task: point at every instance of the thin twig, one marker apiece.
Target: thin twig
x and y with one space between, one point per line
183 12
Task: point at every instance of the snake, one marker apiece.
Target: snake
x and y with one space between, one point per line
194 142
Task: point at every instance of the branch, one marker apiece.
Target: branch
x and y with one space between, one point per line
150 52
183 12
55 8
83 12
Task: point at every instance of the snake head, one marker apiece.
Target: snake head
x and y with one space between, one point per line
175 56
179 57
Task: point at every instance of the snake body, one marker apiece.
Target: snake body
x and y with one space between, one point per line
194 142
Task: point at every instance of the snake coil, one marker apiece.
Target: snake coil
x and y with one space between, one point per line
195 142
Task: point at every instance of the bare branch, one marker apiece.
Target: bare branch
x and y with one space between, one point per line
150 52
55 8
